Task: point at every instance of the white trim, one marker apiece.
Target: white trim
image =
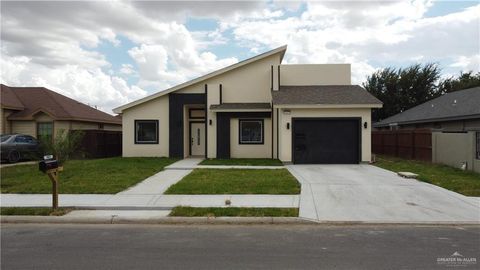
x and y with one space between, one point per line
202 78
321 106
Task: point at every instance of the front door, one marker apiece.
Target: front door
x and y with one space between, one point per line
197 139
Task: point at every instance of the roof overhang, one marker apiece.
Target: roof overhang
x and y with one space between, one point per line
326 106
278 50
420 121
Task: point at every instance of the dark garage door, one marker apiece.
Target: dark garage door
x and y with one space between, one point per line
326 140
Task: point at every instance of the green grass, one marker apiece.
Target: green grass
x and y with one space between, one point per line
464 182
243 162
233 212
33 211
94 176
237 181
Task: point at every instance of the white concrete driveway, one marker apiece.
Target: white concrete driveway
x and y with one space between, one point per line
365 193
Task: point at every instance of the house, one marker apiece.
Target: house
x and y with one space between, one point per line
40 112
452 124
257 108
455 111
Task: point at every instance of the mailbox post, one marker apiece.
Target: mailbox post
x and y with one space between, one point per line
50 167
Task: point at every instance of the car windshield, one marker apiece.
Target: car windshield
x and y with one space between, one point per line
4 138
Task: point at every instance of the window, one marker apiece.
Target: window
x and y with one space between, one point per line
251 131
146 131
478 144
44 131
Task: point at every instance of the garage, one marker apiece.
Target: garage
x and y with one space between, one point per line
326 140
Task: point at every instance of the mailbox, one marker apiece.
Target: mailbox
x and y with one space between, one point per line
46 165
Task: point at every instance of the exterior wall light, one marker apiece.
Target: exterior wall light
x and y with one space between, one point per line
288 125
365 125
210 122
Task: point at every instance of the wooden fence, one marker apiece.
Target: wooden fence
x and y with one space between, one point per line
101 144
408 144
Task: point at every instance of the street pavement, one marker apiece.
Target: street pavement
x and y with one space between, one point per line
50 246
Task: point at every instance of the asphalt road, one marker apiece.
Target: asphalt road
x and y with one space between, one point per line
235 247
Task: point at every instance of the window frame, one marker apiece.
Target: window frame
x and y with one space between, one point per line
38 129
262 122
136 141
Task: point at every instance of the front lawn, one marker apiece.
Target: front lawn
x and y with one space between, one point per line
237 181
181 211
243 162
463 182
33 211
94 176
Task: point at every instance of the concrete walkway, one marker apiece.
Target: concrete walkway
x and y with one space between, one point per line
365 193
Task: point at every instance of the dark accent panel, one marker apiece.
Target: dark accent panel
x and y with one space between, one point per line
206 121
271 75
223 129
326 140
278 77
221 94
176 103
272 130
278 136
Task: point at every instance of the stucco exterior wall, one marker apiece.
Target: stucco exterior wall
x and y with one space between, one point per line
156 109
313 74
249 83
454 149
238 150
285 135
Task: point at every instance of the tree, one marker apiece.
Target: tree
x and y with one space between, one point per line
64 144
464 81
400 89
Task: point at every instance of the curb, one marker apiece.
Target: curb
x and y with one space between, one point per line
213 221
160 220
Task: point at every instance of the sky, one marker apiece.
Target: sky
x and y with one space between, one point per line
106 54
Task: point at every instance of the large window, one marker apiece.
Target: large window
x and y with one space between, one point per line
251 131
146 131
44 131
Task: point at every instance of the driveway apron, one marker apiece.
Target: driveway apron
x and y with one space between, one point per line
365 193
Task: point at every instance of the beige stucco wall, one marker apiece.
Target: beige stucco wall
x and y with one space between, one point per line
313 74
156 109
250 150
454 149
285 135
249 83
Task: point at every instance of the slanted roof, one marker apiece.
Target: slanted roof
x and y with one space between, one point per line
324 95
241 106
458 105
9 100
59 107
280 50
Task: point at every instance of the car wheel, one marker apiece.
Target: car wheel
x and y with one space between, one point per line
13 157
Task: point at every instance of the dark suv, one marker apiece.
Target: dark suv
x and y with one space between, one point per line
15 147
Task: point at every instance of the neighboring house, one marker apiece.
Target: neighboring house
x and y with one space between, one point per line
40 112
455 111
454 120
257 108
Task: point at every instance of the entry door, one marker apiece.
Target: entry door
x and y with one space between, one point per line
326 140
197 139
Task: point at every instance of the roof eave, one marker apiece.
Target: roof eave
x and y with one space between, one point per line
327 105
420 121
